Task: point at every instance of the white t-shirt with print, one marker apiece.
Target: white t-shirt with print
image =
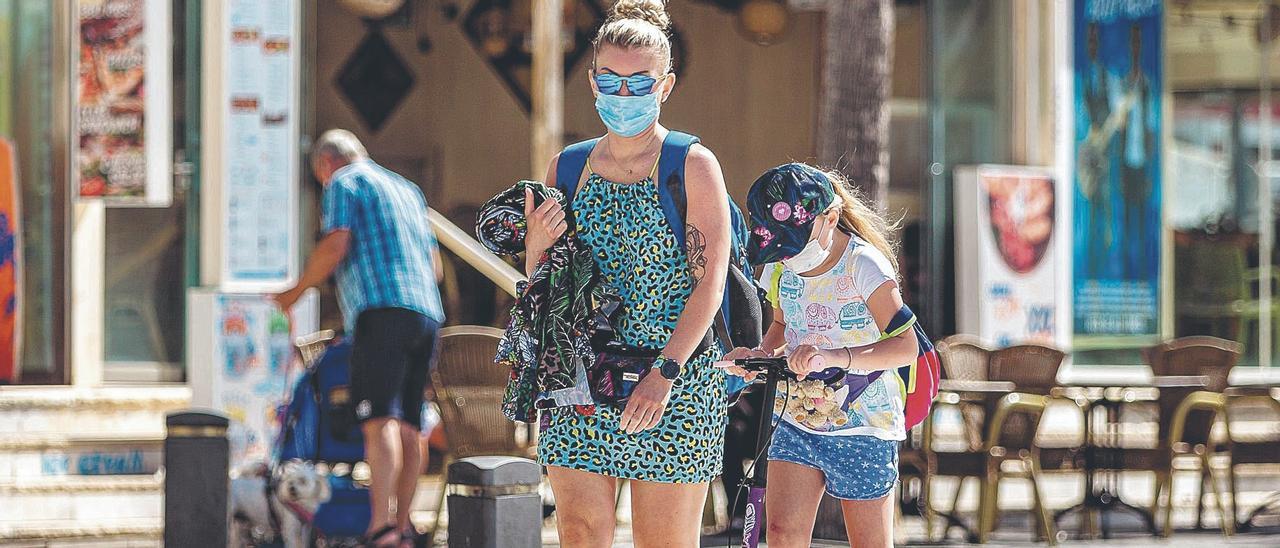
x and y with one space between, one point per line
830 311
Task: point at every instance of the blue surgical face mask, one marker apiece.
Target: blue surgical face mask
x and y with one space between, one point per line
628 115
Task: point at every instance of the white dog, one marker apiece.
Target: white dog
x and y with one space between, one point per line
280 506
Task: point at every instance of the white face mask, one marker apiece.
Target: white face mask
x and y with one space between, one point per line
814 254
809 258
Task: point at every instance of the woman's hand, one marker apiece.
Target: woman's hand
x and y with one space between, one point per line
546 224
741 353
807 359
647 404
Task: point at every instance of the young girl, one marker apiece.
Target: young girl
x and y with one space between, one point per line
831 279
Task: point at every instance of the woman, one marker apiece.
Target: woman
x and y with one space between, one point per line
668 438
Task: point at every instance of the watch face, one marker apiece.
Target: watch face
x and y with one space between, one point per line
669 370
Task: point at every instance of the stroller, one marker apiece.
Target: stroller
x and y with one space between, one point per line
318 425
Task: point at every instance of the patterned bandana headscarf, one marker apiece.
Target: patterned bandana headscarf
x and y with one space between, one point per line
500 224
783 204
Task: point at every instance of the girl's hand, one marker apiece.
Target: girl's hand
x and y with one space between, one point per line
647 404
806 359
546 224
738 354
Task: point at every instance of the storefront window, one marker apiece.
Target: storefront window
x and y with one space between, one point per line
145 248
969 120
908 144
27 118
1215 210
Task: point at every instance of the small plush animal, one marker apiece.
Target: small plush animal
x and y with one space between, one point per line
267 506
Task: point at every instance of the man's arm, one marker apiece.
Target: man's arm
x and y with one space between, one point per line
324 259
436 261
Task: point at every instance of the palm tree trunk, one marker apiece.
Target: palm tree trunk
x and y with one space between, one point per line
853 126
853 116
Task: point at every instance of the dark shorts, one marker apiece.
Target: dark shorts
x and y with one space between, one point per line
391 359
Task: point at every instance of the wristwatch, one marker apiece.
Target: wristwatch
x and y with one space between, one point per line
667 367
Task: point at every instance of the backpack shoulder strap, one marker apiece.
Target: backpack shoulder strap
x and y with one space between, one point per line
569 168
671 192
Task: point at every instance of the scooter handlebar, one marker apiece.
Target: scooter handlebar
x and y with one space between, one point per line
778 367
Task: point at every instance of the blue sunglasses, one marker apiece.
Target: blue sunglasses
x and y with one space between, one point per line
611 84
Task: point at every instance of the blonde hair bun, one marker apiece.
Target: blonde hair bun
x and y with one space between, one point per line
653 12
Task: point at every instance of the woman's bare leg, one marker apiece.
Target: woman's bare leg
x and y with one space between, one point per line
585 512
667 514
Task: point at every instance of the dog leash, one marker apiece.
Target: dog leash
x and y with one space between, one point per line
298 511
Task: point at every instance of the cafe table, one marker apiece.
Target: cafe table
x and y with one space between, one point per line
1102 403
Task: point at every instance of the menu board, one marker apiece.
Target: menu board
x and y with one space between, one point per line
1011 261
123 136
260 132
248 362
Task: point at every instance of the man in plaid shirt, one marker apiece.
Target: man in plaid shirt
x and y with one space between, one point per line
380 245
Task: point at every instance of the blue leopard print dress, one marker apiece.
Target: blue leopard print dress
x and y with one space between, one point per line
640 260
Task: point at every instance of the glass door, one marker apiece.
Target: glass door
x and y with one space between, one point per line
152 253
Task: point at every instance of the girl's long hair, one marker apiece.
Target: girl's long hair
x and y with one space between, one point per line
862 220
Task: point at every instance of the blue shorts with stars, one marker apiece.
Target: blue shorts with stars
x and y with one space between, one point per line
856 467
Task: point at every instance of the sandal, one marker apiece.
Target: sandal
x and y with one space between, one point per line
411 538
378 538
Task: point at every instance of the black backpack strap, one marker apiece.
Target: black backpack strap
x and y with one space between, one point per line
569 168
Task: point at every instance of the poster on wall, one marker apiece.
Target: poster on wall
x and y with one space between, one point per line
260 132
122 133
1010 255
1117 195
247 363
10 265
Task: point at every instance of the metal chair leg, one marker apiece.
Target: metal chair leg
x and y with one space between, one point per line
926 506
1235 492
444 491
1039 508
1167 528
1228 521
1160 480
1200 496
987 505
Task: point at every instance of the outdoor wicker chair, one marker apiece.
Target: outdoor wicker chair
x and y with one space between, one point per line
1008 437
964 357
1033 368
469 389
1252 448
1186 417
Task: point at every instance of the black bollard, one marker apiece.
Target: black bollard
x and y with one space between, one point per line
494 503
196 458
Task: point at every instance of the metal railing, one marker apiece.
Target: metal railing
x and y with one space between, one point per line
468 249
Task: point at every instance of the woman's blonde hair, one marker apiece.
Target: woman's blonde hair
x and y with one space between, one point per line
862 220
637 24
